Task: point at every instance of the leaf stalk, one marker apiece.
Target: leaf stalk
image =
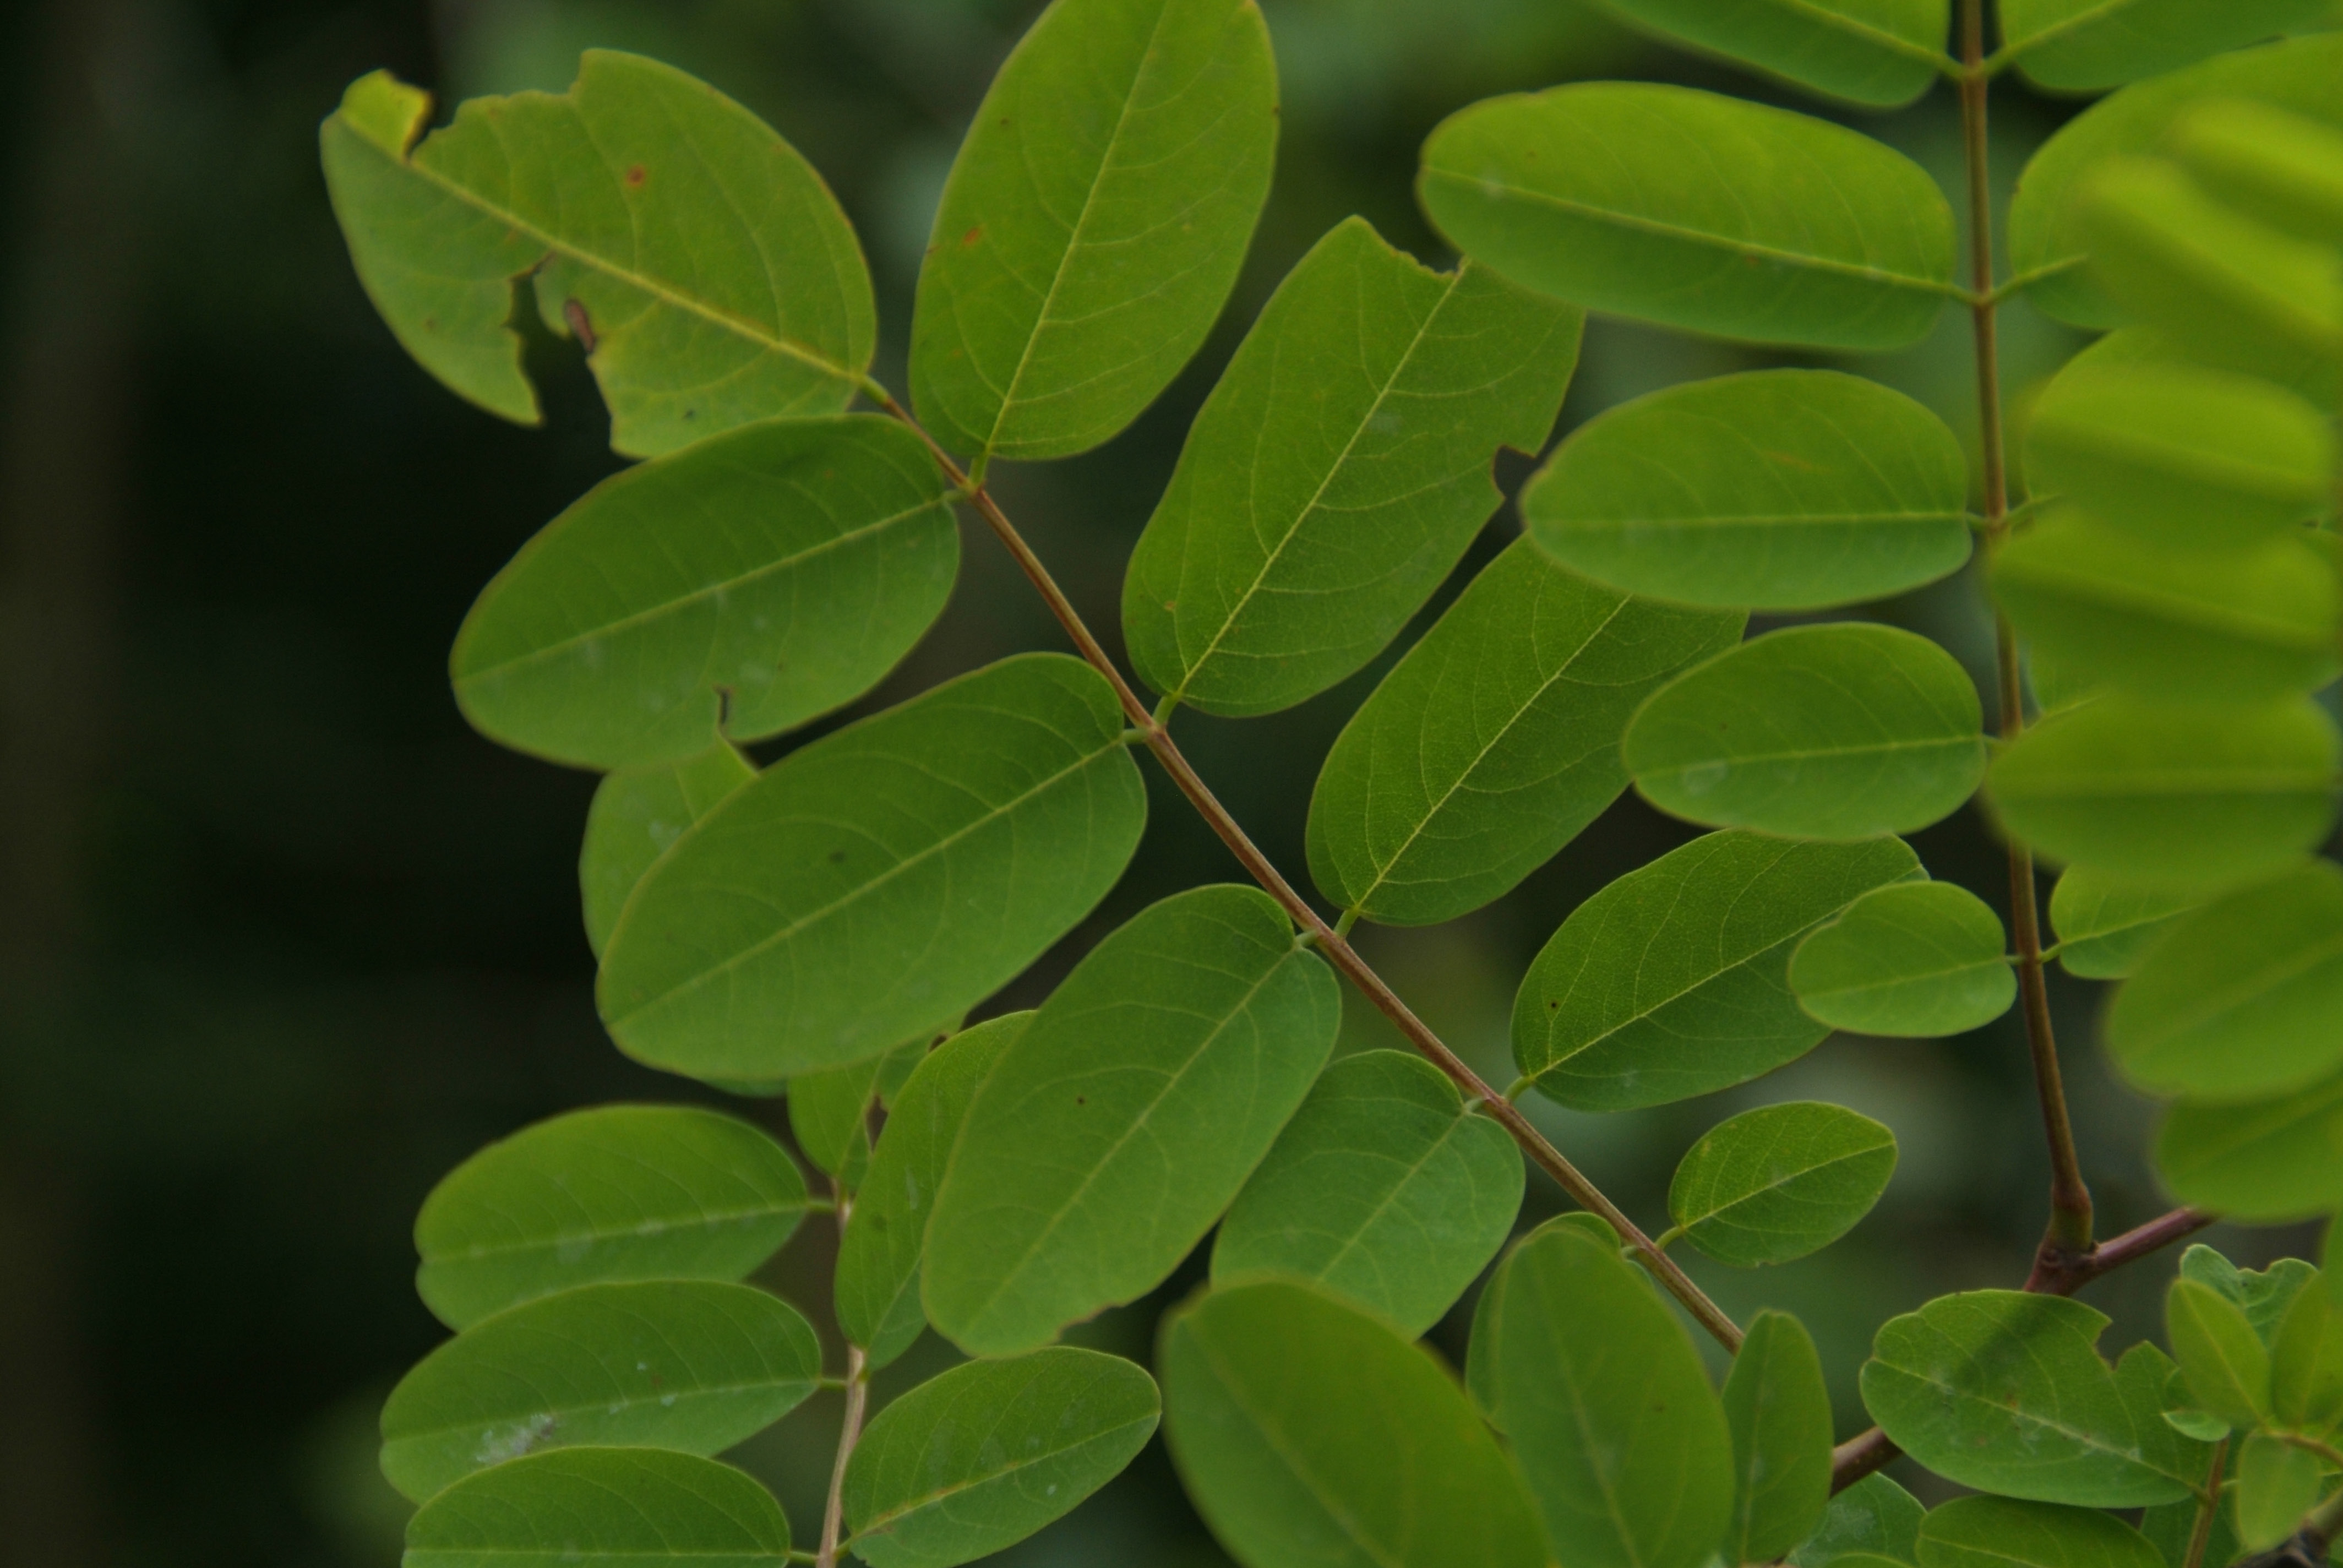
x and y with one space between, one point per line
850 1431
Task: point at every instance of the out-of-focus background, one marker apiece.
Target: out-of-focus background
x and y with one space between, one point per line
281 940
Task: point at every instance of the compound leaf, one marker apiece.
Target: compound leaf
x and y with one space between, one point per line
1879 53
692 1365
1780 1181
1337 471
2007 1532
601 1508
2277 1484
1772 489
2104 924
2244 999
738 588
1116 1128
1312 1435
618 1192
1779 1411
1695 210
1674 980
1913 960
2172 795
877 1282
2265 1161
2225 1363
1384 1190
701 262
1093 222
1875 1517
636 817
1842 732
985 1455
2090 46
1495 741
880 880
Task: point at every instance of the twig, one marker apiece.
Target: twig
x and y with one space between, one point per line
850 1431
2208 1506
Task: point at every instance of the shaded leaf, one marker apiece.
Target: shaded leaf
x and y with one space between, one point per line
2006 1533
2225 1363
1674 981
1873 1518
636 817
983 1455
1337 471
1311 1436
1384 1189
2089 45
2262 1294
1494 741
1122 1122
1842 732
1695 210
717 276
1882 54
2277 1484
2307 1364
590 1507
620 1192
1917 959
738 589
2103 925
880 880
829 1110
1780 1181
1772 489
691 1365
1779 1412
2265 1160
1093 222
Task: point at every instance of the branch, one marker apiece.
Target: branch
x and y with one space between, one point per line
1328 940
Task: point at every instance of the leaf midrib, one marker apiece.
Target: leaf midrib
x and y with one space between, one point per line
1754 519
479 1253
1828 19
1753 1194
881 1521
623 1401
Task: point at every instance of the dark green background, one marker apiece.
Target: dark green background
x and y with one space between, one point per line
281 940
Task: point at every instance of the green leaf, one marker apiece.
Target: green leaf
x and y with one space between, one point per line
2244 998
620 1192
1779 1413
2171 1527
878 1274
1879 53
1873 1518
1311 1436
1772 489
2045 215
1674 980
2226 1365
1495 741
1093 222
2178 455
880 880
1696 211
599 1508
2219 624
2103 925
1780 1181
636 816
2262 1294
691 1365
2005 1532
1842 732
2173 795
2285 169
1623 1442
715 276
1119 1125
738 588
2277 1484
1913 960
2265 1161
1384 1190
2005 1391
829 1110
2307 1364
1337 471
2090 46
983 1456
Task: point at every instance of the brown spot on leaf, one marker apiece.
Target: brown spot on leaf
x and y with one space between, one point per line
634 174
579 326
971 237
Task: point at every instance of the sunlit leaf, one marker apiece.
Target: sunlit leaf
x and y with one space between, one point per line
880 880
712 273
1674 980
1918 959
621 1193
2172 795
2225 1363
877 1275
2103 924
692 1365
1495 741
1879 53
2307 1364
636 816
2267 1161
983 1456
2089 45
2277 1484
739 589
2284 168
2006 1533
1842 732
1384 1190
1312 1435
1122 1122
601 1508
1779 1412
1873 1518
1774 489
1780 1181
1698 211
1093 223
